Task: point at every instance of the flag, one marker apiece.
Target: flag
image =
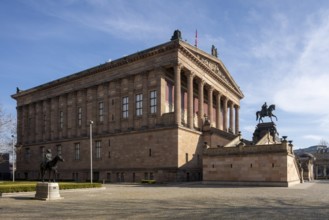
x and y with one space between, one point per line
196 38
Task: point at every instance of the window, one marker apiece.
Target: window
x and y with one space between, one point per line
139 104
27 153
186 157
79 116
98 149
77 151
153 102
150 152
61 119
101 111
59 149
125 107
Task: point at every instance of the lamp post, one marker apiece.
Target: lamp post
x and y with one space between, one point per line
13 159
91 150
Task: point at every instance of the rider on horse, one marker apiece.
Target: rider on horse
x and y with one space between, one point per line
264 109
48 157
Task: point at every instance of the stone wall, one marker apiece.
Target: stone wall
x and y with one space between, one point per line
129 155
259 165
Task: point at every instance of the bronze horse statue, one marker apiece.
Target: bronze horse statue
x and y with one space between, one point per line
51 167
266 112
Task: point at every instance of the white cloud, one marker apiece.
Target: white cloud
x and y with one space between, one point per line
316 138
305 89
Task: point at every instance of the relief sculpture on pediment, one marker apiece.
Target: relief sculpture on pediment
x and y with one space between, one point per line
213 66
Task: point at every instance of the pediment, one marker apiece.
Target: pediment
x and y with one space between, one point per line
215 66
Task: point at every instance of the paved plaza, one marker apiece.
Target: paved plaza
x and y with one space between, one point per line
175 201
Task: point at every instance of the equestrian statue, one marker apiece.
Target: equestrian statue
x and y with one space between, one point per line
50 165
265 112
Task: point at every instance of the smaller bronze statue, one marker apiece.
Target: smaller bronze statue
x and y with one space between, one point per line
177 35
214 51
265 112
49 165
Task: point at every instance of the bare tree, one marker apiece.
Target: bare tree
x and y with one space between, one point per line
7 131
323 142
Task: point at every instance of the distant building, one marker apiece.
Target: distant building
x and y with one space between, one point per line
5 167
321 160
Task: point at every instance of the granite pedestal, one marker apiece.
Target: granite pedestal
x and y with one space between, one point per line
47 191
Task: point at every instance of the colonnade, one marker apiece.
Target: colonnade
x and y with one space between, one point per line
228 110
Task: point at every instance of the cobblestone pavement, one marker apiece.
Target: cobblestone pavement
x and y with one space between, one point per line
175 201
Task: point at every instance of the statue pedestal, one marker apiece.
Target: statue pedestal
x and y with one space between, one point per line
262 129
47 191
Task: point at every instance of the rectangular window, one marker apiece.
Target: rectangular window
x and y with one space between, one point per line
77 151
79 116
59 149
186 157
153 102
98 149
101 111
125 107
139 104
27 153
61 119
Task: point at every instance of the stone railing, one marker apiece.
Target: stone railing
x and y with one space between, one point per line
259 149
168 118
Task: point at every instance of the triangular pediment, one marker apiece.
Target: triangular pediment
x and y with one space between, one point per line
214 65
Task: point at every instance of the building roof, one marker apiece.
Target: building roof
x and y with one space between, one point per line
208 63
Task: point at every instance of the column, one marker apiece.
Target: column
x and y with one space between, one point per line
218 111
190 118
200 115
237 128
231 116
225 114
210 104
177 72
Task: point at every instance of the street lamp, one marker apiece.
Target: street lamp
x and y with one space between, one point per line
13 159
91 150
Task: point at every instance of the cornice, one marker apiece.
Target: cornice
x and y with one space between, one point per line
104 67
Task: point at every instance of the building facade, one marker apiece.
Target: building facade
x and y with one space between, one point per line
147 111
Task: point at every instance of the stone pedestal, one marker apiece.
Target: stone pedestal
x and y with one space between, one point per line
47 191
262 129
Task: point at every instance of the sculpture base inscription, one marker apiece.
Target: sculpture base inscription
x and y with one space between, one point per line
47 191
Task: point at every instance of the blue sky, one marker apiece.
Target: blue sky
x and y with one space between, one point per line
277 51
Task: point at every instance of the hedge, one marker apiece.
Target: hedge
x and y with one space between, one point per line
148 181
10 187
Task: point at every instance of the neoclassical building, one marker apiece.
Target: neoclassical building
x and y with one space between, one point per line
147 111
